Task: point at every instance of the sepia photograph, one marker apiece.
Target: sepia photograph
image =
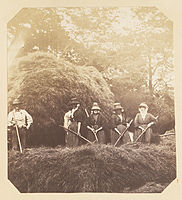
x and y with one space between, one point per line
90 96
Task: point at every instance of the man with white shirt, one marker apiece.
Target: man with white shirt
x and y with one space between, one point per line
73 120
22 119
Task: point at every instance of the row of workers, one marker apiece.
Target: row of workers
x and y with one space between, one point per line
94 126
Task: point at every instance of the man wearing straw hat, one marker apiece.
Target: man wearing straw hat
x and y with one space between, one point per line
118 125
95 125
19 122
142 120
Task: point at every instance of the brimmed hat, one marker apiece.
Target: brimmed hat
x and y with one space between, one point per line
16 102
74 101
144 105
117 106
95 106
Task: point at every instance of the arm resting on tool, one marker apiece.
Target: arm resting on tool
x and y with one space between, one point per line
99 129
29 119
117 131
90 128
79 127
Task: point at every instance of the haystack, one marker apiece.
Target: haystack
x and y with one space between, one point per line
45 85
98 168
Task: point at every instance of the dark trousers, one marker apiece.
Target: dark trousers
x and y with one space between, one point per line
72 140
14 138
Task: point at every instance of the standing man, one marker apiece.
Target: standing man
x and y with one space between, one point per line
95 125
19 120
142 120
74 120
118 125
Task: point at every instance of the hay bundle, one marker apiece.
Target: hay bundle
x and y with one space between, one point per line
150 187
170 142
98 168
45 85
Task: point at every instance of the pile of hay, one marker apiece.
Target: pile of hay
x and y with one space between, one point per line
97 168
150 187
45 85
169 142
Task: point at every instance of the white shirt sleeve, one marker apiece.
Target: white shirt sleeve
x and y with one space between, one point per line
66 119
10 118
29 118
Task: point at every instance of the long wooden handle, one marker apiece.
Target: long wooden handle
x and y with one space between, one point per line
143 132
95 134
73 132
122 134
18 136
167 134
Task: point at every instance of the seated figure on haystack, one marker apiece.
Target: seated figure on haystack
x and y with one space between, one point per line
143 123
95 125
118 124
73 120
19 121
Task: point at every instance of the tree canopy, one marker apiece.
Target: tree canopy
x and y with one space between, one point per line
132 48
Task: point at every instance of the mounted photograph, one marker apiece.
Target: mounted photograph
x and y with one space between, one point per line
91 100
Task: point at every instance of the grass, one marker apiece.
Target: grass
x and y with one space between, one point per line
93 168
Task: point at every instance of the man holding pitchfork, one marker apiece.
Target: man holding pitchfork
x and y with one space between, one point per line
143 123
19 122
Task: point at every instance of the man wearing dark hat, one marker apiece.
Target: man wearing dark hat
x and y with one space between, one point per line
96 123
22 119
118 125
142 119
73 120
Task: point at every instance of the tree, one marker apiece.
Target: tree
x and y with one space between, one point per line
88 36
154 37
36 29
135 58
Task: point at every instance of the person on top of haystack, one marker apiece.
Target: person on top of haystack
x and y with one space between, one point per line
19 121
73 120
142 121
95 125
118 124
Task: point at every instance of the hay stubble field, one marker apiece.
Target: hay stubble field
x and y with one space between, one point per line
131 168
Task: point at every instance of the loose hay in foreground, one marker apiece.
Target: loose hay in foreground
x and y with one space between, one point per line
97 168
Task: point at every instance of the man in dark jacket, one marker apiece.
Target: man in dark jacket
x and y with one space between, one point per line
95 125
74 120
118 124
